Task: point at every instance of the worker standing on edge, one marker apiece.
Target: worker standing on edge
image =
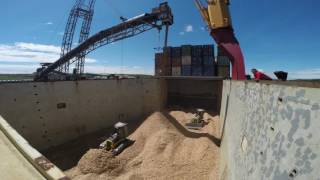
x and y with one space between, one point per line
260 75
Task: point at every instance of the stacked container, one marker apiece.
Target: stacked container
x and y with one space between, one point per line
223 64
208 60
188 60
176 61
186 56
196 61
162 63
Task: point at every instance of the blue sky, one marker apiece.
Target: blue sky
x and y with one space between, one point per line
274 35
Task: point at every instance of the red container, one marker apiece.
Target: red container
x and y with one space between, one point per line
162 65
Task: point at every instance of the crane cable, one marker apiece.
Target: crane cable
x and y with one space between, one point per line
115 10
118 14
61 18
121 58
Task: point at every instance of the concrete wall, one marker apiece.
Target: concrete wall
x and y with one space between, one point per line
270 131
48 114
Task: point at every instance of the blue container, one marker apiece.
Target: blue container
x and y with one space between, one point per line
208 50
209 70
196 70
186 70
196 61
223 60
197 51
186 50
208 60
176 52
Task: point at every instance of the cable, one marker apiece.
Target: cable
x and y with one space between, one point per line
121 58
60 21
114 8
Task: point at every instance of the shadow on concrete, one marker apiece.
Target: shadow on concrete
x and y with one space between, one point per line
188 133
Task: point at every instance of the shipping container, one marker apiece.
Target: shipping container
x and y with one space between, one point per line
186 60
208 60
167 51
176 71
196 61
208 50
196 70
162 60
163 71
186 70
162 65
186 50
223 71
223 61
158 57
197 51
176 52
176 61
209 70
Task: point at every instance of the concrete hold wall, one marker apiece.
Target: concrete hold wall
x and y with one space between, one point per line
48 114
270 131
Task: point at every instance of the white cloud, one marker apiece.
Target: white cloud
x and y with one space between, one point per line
188 28
305 74
17 69
37 47
49 23
90 60
103 69
203 28
136 67
24 57
31 53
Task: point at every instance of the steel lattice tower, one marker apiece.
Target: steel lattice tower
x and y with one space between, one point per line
84 11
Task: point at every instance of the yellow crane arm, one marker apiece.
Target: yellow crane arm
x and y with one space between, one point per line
216 14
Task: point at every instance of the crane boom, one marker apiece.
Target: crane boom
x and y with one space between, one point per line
217 16
160 16
82 10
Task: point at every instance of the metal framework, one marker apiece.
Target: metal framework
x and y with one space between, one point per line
160 16
83 11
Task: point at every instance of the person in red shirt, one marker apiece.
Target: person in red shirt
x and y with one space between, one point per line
260 75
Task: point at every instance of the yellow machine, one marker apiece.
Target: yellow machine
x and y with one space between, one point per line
217 14
197 122
117 141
